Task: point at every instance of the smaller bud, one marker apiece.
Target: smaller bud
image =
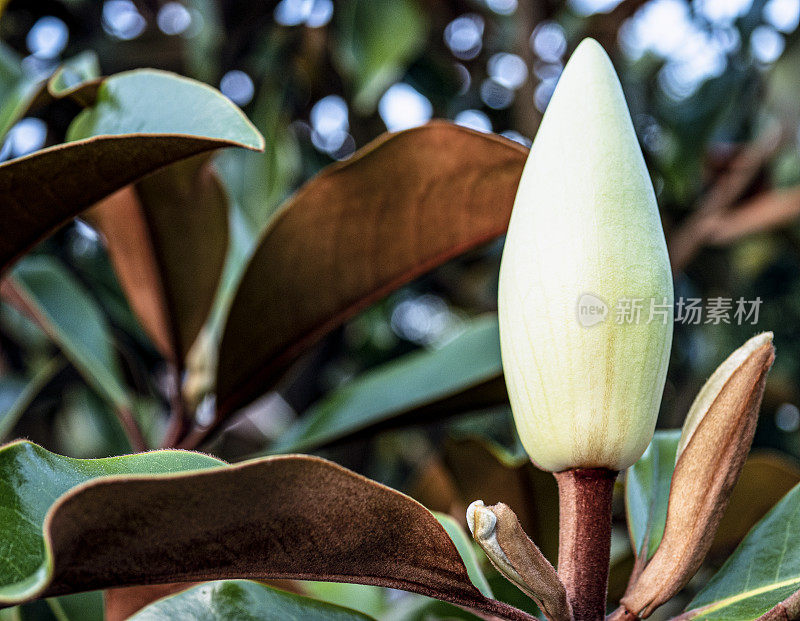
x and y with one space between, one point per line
498 531
714 444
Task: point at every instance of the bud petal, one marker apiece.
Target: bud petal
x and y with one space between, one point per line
714 444
585 226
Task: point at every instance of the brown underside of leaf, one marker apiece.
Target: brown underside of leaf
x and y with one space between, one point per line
167 236
704 477
41 192
764 212
124 228
295 517
401 206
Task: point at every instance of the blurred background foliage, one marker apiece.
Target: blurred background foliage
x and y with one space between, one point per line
714 90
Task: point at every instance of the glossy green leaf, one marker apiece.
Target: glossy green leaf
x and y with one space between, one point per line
371 600
31 479
17 394
27 93
647 492
74 74
242 600
148 101
86 425
16 89
259 182
466 549
494 428
141 121
429 378
73 320
375 41
762 572
15 102
10 67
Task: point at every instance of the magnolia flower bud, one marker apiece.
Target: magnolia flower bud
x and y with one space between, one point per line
585 234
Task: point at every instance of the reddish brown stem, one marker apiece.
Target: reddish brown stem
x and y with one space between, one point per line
131 428
179 421
584 540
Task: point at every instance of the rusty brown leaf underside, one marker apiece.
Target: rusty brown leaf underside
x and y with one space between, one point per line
41 192
399 207
303 518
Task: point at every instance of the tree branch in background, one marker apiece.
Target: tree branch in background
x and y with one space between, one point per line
718 203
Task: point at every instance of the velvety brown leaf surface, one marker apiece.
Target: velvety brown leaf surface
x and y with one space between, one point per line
705 473
167 236
296 517
42 191
398 208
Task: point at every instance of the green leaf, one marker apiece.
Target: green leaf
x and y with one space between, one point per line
423 378
85 425
141 121
148 101
27 93
466 549
15 102
242 600
370 600
375 42
17 394
647 492
763 571
72 319
31 479
73 74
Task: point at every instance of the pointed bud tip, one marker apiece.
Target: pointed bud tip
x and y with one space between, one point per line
712 388
589 67
590 54
759 340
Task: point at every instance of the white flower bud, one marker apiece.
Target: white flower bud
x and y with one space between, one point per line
584 244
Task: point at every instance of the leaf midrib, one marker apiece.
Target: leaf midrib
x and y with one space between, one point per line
734 599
